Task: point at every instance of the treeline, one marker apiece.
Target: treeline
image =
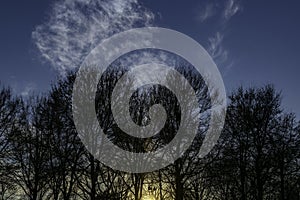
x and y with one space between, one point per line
42 157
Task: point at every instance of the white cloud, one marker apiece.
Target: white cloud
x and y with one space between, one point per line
224 11
28 89
75 27
216 49
206 12
219 53
232 7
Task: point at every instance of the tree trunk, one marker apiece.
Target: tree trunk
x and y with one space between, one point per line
93 179
178 181
282 191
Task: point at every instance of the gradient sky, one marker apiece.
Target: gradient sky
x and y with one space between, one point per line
253 42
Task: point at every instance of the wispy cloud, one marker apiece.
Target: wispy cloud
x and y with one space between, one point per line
219 53
75 27
216 49
224 11
28 89
207 11
232 7
22 88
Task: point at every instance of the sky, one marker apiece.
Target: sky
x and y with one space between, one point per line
252 42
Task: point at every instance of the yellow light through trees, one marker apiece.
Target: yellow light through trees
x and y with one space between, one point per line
148 197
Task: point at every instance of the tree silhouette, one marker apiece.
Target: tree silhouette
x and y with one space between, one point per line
42 155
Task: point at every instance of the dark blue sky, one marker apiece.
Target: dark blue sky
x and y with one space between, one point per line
258 44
